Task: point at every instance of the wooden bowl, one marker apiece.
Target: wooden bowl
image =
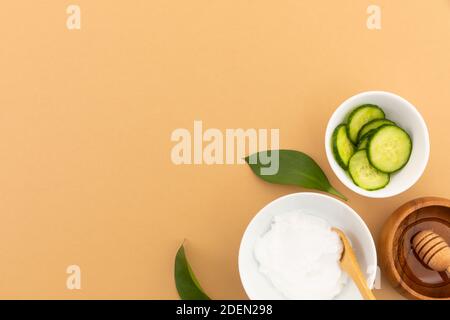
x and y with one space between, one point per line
398 260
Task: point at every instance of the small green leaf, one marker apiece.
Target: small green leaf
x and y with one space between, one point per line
187 284
294 168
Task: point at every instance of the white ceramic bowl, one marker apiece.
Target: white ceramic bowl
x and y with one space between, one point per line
337 213
406 116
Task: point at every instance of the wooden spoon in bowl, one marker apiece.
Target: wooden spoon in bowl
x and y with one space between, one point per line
350 265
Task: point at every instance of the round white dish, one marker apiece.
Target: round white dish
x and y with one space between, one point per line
337 213
406 116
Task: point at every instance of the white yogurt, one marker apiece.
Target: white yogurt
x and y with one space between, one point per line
300 256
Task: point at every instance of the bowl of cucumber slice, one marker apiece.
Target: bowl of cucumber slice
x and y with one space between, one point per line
377 143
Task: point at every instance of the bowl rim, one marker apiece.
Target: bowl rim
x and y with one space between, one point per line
377 194
369 251
386 240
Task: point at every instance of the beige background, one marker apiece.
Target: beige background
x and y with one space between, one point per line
86 118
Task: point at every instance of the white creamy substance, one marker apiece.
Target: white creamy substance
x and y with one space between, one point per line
300 256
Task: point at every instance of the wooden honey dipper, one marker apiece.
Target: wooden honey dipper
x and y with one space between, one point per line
432 250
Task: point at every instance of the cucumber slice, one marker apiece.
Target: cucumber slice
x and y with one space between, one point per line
343 148
372 125
389 148
364 175
364 141
360 117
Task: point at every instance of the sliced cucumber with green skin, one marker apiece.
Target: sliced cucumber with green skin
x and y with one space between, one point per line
360 117
364 175
364 142
373 125
343 148
389 148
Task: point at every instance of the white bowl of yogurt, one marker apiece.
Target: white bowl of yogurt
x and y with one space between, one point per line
289 251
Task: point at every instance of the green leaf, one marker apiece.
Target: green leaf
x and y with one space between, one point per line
294 168
187 284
